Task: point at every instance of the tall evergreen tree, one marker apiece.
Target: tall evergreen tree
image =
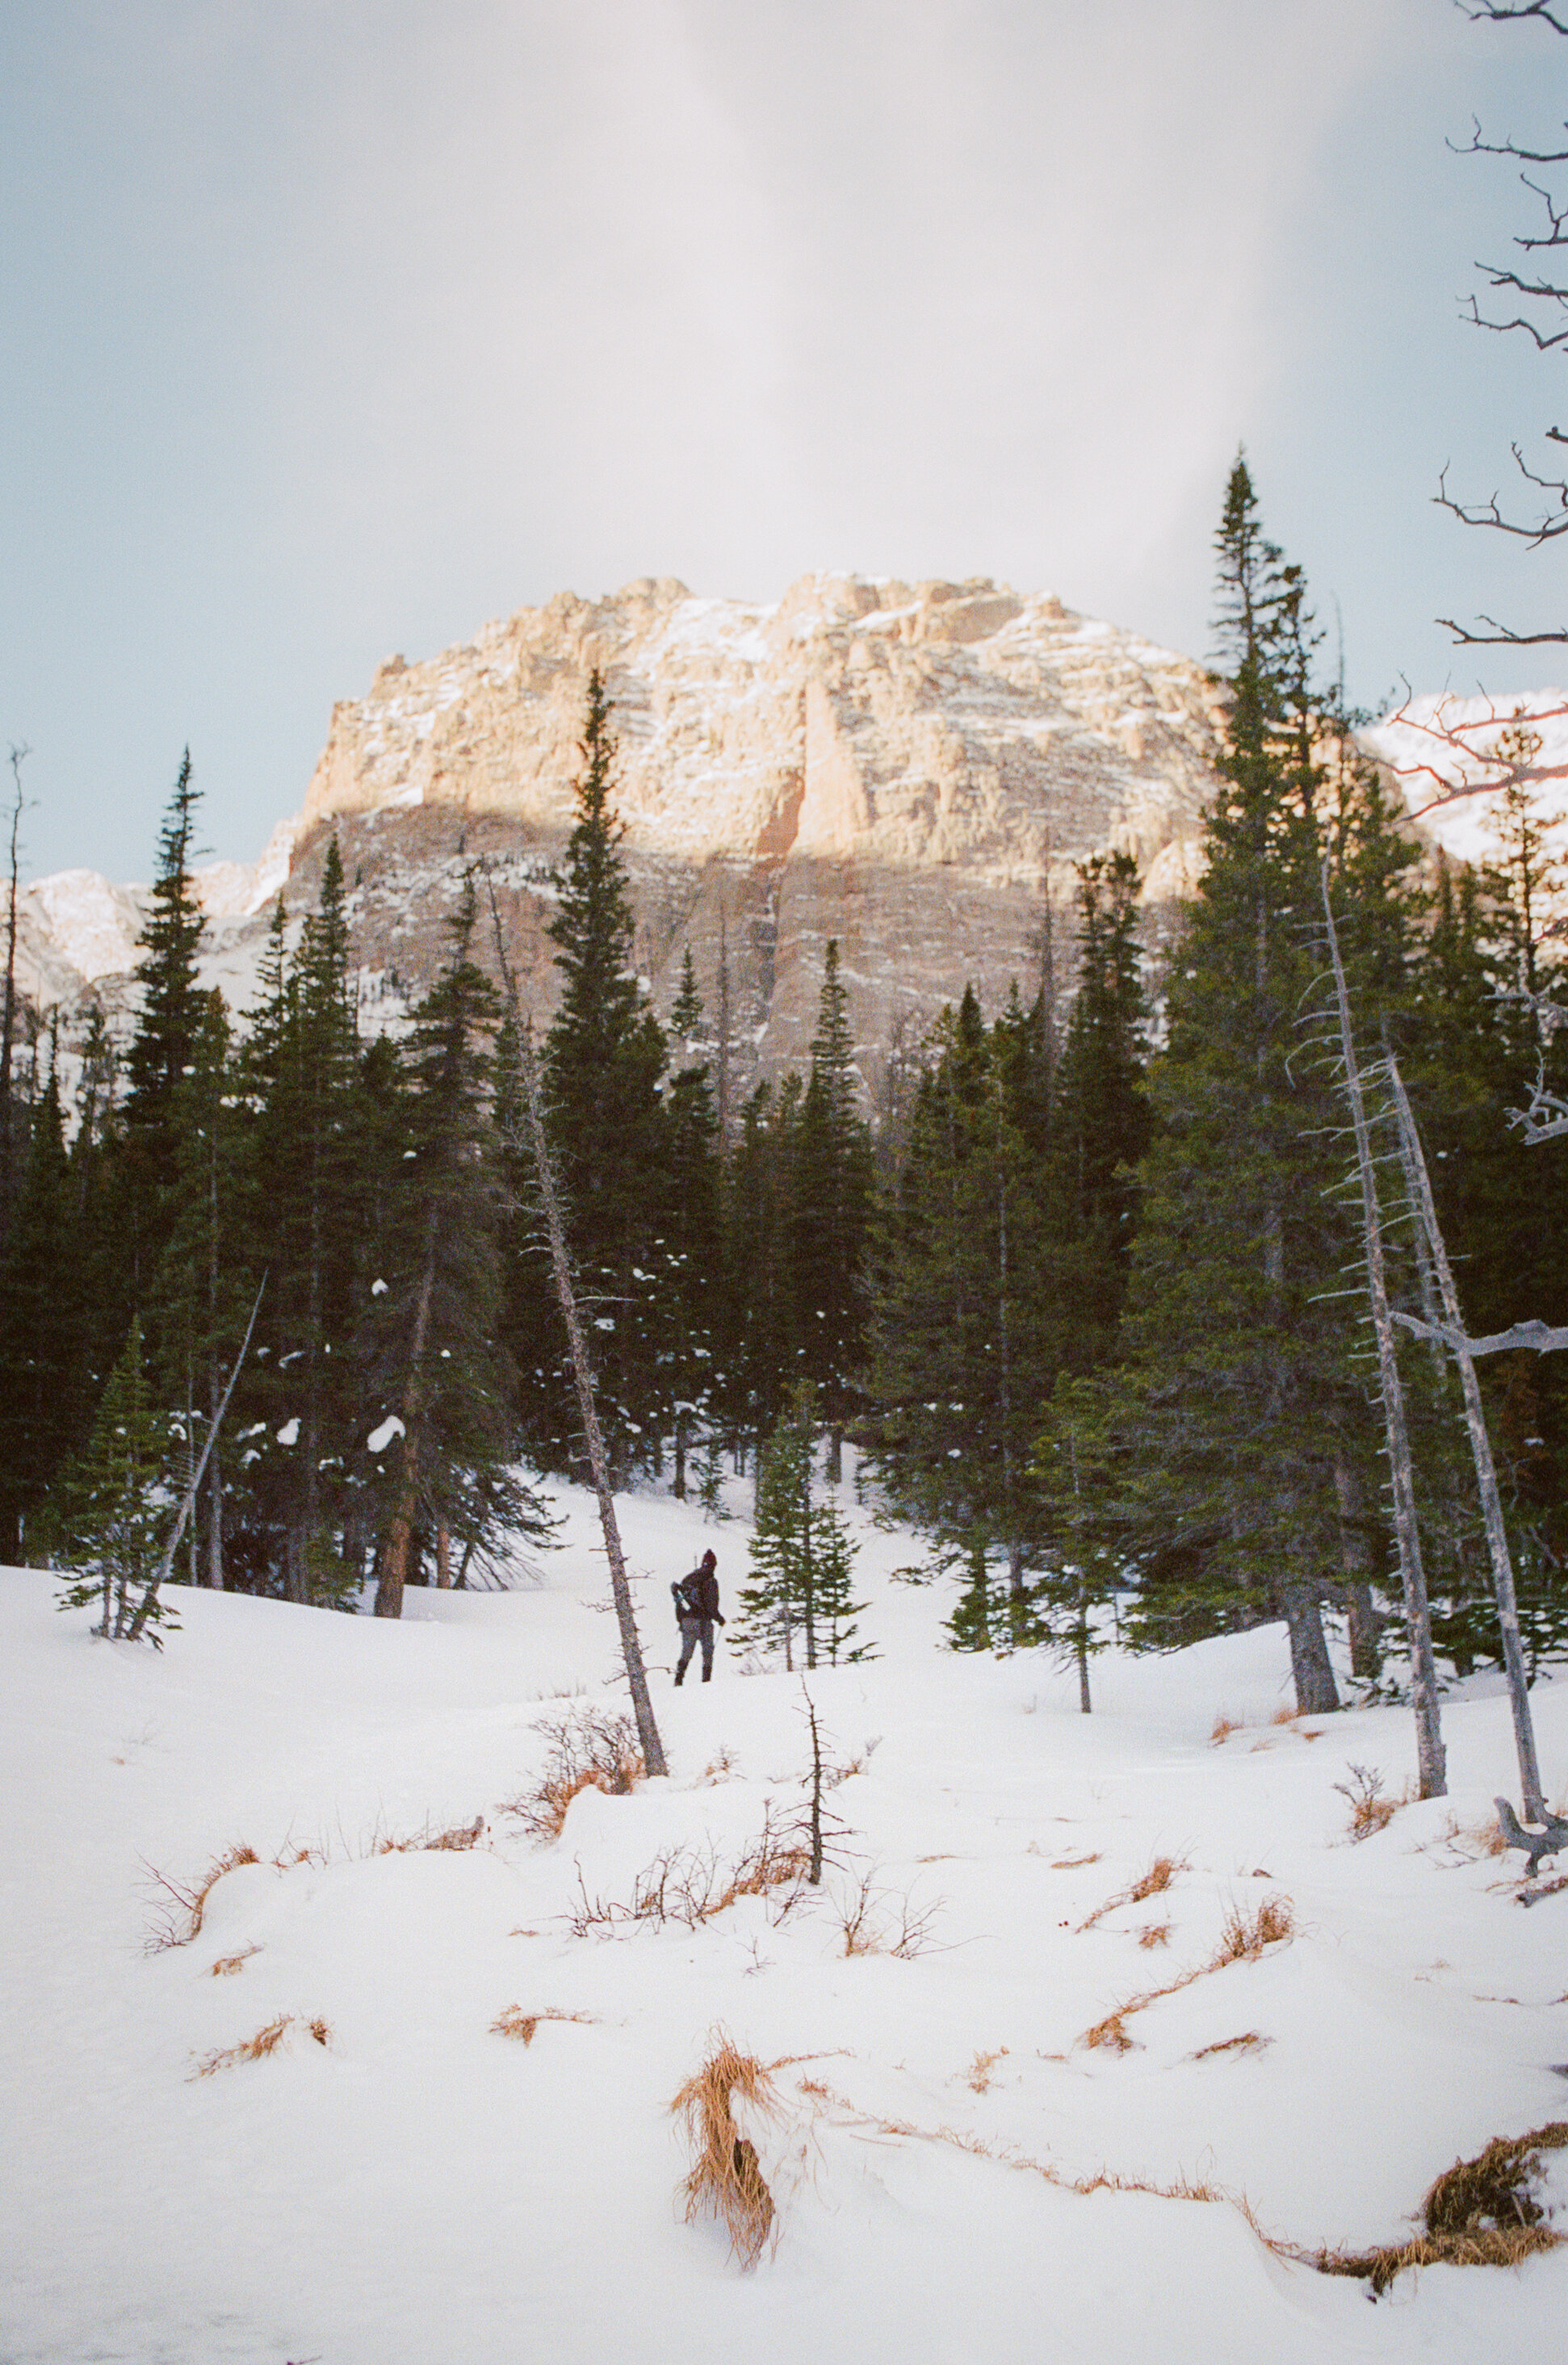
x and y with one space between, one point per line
167 1023
831 1212
604 1055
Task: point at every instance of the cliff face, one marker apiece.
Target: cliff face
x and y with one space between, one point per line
910 768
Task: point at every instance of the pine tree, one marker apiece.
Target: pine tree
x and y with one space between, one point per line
686 1247
1238 1397
604 1055
800 1600
830 1215
166 1029
113 1515
445 1387
46 1394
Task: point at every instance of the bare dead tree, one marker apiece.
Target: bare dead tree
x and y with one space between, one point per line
552 1206
1431 1774
1537 294
188 1500
1418 1182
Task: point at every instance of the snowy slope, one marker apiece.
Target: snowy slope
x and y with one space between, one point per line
1441 742
421 2189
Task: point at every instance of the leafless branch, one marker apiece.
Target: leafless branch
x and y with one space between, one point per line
1488 12
1539 1336
1461 739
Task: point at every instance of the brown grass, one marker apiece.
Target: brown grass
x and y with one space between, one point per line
590 1749
1371 1809
878 1921
1250 2042
1155 1933
226 1965
1224 1727
254 2048
690 1884
182 1907
726 2180
515 2021
1486 2214
1241 1940
1062 1864
980 2067
1152 1883
462 1836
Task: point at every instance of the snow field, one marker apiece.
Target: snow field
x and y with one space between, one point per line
419 2188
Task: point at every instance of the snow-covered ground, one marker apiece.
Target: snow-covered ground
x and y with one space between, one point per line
419 2189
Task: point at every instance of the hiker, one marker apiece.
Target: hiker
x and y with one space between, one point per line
697 1613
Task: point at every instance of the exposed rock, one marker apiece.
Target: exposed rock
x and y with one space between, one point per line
911 769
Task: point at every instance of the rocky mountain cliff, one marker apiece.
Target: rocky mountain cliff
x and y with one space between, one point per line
911 769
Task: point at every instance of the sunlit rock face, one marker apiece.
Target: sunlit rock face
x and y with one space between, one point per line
910 768
913 769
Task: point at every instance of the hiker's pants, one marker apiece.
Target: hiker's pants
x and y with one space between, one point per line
692 1631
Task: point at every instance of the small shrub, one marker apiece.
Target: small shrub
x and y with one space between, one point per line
182 1909
590 1748
1155 1933
462 1836
691 1884
1370 1811
878 1921
726 2180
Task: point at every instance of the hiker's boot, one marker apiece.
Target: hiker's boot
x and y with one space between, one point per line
679 1677
707 1675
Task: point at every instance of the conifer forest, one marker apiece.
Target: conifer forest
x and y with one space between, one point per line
1088 1290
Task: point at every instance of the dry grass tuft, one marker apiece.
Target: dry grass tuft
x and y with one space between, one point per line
1371 1809
1497 2247
462 1836
226 1965
515 2021
1155 1933
980 2067
1152 1883
319 2031
726 2181
1493 2189
1224 1727
691 1884
1284 1716
1250 2042
590 1749
1062 1864
182 1909
876 1922
254 2048
719 1768
1242 1941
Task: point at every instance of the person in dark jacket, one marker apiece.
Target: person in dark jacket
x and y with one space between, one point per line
696 1610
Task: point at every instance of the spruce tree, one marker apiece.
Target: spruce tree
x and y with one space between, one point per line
604 1054
115 1506
830 1215
46 1391
167 1022
800 1601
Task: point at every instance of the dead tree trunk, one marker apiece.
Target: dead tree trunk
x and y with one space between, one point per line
1431 1772
132 1632
1420 1188
553 1209
392 1575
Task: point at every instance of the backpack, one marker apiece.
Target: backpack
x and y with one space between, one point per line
685 1607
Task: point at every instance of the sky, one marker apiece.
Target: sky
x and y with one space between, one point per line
334 328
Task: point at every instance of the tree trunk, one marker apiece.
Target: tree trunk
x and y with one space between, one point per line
1365 1622
677 1483
1082 1642
582 1372
1481 1450
393 1569
443 1556
1431 1768
1316 1694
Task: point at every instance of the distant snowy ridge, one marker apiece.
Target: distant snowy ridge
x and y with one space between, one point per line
1438 743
